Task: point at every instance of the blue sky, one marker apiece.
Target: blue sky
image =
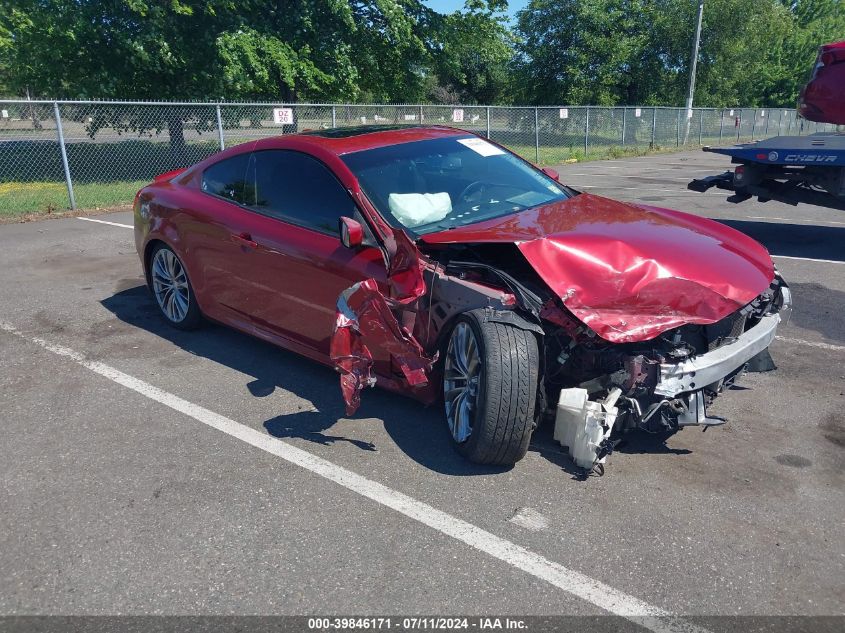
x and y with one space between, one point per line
447 6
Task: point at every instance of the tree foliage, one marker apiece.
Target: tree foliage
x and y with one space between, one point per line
753 52
381 50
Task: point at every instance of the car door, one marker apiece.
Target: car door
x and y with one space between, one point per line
292 253
211 230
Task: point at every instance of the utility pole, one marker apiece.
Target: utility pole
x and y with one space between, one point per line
693 64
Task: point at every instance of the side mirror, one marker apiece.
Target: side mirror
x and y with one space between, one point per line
351 233
551 173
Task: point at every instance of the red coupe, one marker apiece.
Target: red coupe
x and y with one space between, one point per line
438 264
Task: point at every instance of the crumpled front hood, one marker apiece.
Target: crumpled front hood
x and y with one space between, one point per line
630 271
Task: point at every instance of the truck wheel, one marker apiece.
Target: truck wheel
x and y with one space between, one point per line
490 375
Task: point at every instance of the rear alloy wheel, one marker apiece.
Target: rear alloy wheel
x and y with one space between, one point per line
490 374
172 289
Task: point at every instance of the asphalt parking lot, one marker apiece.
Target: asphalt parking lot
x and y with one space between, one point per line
147 470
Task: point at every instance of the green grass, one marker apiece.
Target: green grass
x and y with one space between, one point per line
104 174
18 199
550 156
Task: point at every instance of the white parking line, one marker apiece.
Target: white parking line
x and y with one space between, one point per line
126 226
683 190
801 341
570 581
644 172
807 221
667 179
809 259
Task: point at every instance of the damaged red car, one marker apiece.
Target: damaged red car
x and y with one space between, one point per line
437 264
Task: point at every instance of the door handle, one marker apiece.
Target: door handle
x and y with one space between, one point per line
244 239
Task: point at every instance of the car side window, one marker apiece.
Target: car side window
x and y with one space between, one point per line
227 179
299 189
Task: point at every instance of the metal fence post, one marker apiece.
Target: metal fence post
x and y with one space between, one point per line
488 121
678 129
624 120
700 124
754 124
537 135
220 128
65 165
420 113
334 116
653 125
721 124
738 123
766 132
587 132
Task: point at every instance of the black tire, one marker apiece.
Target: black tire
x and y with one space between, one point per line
193 317
504 418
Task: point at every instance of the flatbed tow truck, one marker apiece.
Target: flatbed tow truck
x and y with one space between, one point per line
790 169
793 169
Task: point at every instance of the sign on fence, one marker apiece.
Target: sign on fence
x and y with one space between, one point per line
458 115
563 113
283 116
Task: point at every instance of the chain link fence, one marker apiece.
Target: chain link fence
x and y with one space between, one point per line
73 154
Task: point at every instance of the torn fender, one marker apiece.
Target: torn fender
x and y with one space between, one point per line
630 272
405 280
365 321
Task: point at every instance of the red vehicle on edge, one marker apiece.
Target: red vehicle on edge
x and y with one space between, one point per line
823 98
438 264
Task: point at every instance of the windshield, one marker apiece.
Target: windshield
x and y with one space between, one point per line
438 184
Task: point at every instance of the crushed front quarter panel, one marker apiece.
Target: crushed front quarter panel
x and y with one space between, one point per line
630 272
364 320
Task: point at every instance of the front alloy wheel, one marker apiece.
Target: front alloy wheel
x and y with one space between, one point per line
490 382
461 381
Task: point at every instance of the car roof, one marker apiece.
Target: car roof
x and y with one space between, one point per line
345 140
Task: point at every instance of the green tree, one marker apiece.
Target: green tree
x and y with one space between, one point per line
472 51
251 49
581 51
753 52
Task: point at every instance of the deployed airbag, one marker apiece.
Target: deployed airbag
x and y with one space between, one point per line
415 209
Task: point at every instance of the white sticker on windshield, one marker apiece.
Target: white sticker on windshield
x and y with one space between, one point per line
480 146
